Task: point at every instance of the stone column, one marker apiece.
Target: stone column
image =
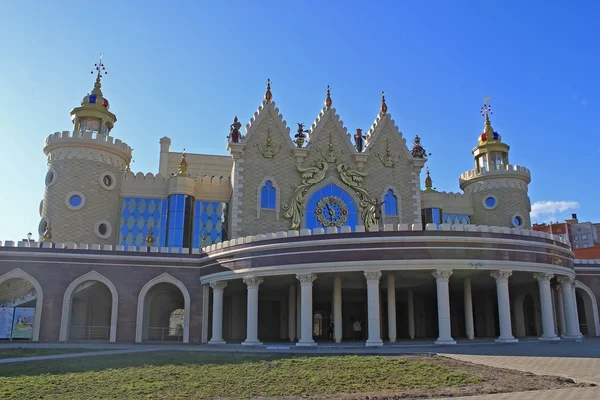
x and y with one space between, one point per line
411 314
306 312
470 330
442 278
337 309
373 308
391 303
560 310
501 278
576 311
292 313
217 320
252 317
566 286
546 306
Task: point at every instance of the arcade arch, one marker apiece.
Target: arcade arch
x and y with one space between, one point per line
163 311
25 289
90 308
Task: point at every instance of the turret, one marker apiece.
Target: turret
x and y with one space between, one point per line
85 170
498 188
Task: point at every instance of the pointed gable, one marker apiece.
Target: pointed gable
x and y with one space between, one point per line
385 127
268 113
329 122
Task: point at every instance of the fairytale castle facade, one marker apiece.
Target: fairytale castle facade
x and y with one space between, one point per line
288 238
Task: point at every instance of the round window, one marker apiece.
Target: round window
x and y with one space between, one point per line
50 177
103 229
517 221
490 202
75 200
107 180
43 226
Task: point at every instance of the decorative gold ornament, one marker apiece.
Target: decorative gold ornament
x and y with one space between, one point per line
300 137
47 237
354 179
428 182
332 211
383 105
328 101
269 151
268 94
183 165
310 177
388 159
331 156
150 237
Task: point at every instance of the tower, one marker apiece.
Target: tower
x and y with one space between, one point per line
85 171
498 189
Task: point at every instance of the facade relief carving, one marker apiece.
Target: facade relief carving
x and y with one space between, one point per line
270 150
387 159
331 156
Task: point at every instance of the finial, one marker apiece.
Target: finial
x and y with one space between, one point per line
183 165
100 71
149 238
203 240
485 110
428 182
417 150
383 105
300 136
268 94
328 101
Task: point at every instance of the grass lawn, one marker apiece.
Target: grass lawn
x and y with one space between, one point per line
190 375
31 352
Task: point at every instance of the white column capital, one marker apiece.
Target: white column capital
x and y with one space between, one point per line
306 279
543 277
442 274
219 286
373 275
565 280
501 275
252 281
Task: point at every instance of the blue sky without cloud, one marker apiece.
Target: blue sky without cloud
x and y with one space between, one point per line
183 69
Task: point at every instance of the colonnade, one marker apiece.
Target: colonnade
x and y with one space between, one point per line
567 311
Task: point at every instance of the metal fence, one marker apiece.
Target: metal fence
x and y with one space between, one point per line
165 334
88 332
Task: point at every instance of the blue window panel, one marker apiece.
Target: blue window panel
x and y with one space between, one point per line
456 219
391 203
137 214
326 191
209 221
436 216
267 196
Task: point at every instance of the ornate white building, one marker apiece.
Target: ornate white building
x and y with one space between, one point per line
300 238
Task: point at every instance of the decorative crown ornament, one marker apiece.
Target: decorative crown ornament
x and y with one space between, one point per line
418 151
331 156
388 159
269 151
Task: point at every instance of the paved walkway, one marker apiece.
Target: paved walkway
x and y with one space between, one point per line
559 394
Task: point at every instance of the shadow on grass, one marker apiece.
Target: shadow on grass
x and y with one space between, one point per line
132 360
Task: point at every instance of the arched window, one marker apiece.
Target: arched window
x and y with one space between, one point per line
267 196
391 203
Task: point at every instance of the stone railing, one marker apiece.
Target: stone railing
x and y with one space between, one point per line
499 169
286 234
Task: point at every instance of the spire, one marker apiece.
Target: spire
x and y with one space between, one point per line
428 182
383 105
268 94
100 71
183 165
488 132
328 101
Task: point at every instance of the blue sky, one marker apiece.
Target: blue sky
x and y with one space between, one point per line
184 69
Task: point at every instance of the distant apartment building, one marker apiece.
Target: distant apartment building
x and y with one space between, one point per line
581 235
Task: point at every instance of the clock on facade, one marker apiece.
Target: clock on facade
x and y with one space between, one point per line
332 211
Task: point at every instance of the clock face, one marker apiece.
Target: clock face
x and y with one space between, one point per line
332 211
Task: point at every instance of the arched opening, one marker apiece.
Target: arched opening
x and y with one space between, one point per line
529 316
587 310
163 311
89 312
91 306
330 205
21 302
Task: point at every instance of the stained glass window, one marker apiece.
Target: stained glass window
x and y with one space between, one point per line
267 196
